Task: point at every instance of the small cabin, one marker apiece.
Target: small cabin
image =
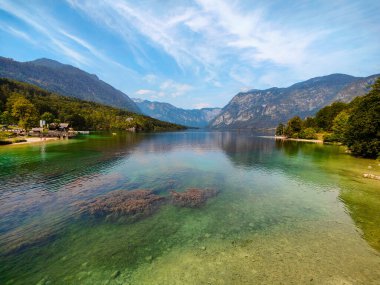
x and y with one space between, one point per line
64 127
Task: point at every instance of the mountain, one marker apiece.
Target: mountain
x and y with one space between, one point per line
198 118
66 80
80 114
267 108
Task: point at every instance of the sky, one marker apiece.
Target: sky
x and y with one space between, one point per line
199 53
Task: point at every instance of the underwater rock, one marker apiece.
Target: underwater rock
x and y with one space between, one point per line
121 203
192 197
371 176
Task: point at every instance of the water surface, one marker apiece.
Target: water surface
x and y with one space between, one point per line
286 213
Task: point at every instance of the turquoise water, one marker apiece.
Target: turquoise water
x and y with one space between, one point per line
286 213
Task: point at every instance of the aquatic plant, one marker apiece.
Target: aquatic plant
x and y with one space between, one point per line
192 197
121 203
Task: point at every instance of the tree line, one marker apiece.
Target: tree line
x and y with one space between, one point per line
24 105
356 124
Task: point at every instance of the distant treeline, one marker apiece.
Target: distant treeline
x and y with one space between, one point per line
356 124
24 105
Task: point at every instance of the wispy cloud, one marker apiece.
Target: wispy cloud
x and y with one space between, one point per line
167 89
16 32
219 46
145 92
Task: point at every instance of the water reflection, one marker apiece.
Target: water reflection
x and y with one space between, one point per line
272 208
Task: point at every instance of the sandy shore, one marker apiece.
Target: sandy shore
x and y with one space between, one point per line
33 140
290 139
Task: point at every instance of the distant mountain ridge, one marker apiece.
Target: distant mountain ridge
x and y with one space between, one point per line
66 80
198 118
267 108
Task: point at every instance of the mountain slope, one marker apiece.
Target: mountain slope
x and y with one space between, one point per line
66 80
199 118
80 114
267 108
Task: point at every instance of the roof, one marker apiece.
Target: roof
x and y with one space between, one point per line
64 125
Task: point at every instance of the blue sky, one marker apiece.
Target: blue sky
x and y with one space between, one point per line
196 53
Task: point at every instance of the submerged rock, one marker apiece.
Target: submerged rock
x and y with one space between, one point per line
122 203
192 197
371 176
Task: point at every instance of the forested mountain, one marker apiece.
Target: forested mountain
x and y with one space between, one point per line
66 80
25 104
199 118
267 108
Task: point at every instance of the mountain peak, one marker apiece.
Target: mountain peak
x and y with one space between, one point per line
267 108
47 62
66 80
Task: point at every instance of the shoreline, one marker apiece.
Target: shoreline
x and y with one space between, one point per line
290 139
33 140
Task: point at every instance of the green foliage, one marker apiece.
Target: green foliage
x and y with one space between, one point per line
24 111
325 117
293 127
47 117
310 122
308 133
6 118
340 125
363 132
27 102
280 130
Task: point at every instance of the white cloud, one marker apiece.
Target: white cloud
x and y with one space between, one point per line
175 89
167 89
16 32
145 92
150 78
201 105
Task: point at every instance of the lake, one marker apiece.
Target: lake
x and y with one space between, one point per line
286 212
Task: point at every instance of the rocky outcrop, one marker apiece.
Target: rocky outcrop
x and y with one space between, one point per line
266 108
198 118
192 198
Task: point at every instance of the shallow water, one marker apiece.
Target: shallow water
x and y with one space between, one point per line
286 213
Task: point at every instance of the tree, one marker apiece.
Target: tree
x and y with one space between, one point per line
280 130
6 118
325 117
308 133
363 132
340 125
25 112
47 117
293 127
310 123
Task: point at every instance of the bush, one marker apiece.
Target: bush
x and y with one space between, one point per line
308 133
19 140
5 142
331 137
